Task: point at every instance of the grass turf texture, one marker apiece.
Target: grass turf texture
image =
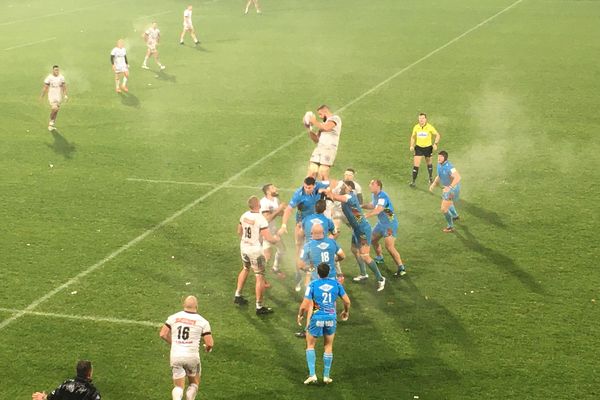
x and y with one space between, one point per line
501 309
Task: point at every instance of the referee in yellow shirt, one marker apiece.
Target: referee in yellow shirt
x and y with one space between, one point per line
422 143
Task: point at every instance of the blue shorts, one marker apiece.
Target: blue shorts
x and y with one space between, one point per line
319 327
362 235
385 230
452 194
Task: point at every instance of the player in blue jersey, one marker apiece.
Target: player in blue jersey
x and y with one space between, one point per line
320 249
387 224
318 218
304 200
361 232
319 306
449 178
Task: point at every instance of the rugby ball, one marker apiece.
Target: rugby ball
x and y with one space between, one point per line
307 117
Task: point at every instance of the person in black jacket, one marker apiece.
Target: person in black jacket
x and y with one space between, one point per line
78 388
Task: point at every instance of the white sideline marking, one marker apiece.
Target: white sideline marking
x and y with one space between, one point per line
16 21
226 183
30 44
201 184
87 318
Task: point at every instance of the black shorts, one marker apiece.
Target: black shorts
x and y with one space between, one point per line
423 151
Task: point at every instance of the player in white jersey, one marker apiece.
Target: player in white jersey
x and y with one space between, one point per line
249 3
188 26
120 66
327 139
271 208
183 331
252 230
56 88
152 38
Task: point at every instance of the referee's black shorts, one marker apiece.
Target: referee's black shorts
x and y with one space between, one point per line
423 151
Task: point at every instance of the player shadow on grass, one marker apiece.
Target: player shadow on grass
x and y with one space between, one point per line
61 145
482 213
500 260
163 76
130 100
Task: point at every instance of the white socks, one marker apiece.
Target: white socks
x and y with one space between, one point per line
191 392
177 393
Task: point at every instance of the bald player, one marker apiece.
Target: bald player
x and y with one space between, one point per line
183 331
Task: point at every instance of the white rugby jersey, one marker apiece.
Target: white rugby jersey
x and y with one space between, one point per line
119 55
55 84
269 205
252 223
187 328
332 137
153 35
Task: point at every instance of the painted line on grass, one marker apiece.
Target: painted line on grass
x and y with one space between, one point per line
228 182
202 184
85 318
56 14
29 44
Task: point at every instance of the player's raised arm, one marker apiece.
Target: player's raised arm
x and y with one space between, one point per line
322 126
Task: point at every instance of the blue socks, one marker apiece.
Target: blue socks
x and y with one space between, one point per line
448 217
452 211
373 267
361 265
327 361
311 360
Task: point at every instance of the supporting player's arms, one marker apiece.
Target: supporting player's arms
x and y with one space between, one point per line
375 211
313 136
322 126
268 237
337 197
284 219
165 333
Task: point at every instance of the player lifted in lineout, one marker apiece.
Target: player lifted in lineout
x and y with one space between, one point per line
152 38
55 86
326 137
120 66
188 26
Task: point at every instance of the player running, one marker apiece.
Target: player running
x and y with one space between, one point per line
188 26
304 200
449 178
319 306
250 2
120 66
152 39
183 331
56 88
422 143
387 225
361 232
327 139
271 208
252 229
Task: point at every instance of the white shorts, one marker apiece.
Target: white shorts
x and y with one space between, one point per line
185 366
121 68
253 257
151 46
188 27
54 102
324 155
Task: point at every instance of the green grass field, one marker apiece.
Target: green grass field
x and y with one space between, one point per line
503 309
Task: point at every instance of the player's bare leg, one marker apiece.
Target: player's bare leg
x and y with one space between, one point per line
390 246
157 61
181 37
260 292
193 384
445 209
376 245
241 281
145 64
117 82
323 172
194 38
53 115
124 84
366 257
178 385
313 170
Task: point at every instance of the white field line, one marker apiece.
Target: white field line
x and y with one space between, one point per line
201 184
55 14
227 182
86 318
29 44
